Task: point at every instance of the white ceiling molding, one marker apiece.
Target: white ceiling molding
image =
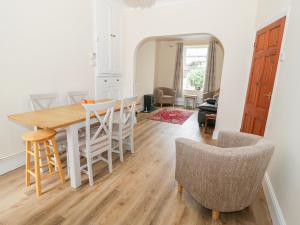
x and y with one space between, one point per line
139 3
142 4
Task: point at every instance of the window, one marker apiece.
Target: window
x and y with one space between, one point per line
194 67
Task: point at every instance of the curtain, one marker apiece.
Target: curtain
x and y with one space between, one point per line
178 75
210 76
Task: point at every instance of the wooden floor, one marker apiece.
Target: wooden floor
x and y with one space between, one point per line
142 190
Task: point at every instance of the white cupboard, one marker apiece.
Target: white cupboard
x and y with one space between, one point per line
108 57
108 19
108 87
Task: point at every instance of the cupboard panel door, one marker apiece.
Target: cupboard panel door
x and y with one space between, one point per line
116 88
108 16
115 38
103 24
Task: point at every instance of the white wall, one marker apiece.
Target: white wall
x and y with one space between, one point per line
283 122
145 69
232 22
268 10
165 63
45 47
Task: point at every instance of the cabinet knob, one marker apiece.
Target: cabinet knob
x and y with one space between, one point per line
113 35
105 80
118 80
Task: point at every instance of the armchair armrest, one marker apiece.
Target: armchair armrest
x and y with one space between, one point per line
158 95
207 95
173 92
229 139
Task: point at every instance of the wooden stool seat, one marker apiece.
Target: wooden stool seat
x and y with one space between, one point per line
45 138
39 135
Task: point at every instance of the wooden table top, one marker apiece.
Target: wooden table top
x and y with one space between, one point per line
57 117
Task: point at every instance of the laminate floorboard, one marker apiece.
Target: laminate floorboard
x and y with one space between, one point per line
141 191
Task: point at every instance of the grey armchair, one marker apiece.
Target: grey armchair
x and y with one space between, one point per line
165 95
226 177
212 94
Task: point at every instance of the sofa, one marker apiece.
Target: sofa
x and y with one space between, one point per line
164 95
226 177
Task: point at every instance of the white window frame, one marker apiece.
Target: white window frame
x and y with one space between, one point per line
185 47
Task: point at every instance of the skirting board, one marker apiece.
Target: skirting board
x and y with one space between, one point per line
273 204
12 162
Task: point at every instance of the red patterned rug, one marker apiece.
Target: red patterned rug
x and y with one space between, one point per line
172 116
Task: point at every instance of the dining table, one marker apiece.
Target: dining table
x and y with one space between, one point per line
69 117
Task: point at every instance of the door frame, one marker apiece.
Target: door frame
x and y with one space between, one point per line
286 13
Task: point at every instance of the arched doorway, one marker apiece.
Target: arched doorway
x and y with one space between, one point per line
156 65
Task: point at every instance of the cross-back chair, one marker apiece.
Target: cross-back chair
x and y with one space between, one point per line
45 101
123 128
76 96
99 141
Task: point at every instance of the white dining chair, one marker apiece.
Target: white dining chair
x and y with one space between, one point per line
95 143
123 127
45 101
76 96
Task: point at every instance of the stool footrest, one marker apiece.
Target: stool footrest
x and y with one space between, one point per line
32 173
49 146
44 165
53 163
31 153
42 176
45 176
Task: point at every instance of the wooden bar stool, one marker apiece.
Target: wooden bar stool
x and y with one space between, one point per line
35 139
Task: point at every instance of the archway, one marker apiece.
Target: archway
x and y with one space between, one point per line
156 59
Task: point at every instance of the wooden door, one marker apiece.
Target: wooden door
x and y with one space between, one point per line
261 81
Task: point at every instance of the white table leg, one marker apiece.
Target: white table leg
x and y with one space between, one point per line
73 155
